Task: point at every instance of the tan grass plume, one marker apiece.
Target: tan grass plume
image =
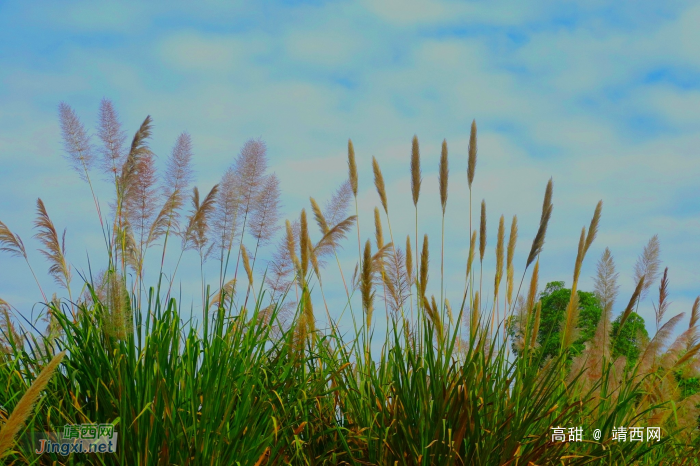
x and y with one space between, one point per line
23 409
471 164
379 183
538 242
499 255
443 176
482 232
648 265
424 261
352 168
415 171
54 248
366 285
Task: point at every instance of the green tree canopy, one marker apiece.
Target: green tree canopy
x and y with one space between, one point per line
629 340
555 298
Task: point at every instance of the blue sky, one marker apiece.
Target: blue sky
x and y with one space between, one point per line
603 97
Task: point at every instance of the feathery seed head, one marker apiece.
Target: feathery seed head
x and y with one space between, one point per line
246 264
424 261
443 176
471 164
512 239
472 252
538 242
304 242
648 265
378 229
112 136
379 183
318 215
593 228
352 168
366 284
482 232
415 171
499 254
409 259
23 408
76 141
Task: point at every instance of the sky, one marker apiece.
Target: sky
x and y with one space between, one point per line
602 97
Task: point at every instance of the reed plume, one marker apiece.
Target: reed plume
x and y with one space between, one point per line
482 241
76 141
538 242
127 180
475 314
24 406
409 260
352 178
140 203
129 171
662 307
471 163
510 253
593 227
424 261
264 221
482 232
11 243
572 310
8 333
227 292
633 301
337 206
246 264
352 168
304 245
319 217
178 177
443 176
249 167
366 284
54 248
396 281
379 183
434 315
331 240
416 178
499 256
378 233
416 181
648 265
291 244
532 293
112 136
470 257
195 234
225 218
606 290
693 324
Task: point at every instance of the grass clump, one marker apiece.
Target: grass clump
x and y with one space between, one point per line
258 382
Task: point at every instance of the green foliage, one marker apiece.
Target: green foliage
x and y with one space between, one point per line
237 395
628 342
554 301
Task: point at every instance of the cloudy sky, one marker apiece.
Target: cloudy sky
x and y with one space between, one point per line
603 97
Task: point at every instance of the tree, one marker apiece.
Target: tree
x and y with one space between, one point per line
555 298
629 341
554 301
